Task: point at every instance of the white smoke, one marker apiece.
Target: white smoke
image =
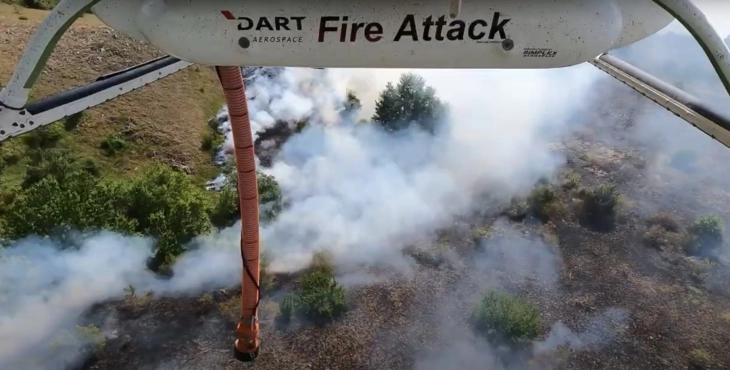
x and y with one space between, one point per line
363 193
45 290
350 188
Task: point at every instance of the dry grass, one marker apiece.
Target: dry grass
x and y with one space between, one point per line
134 302
658 237
666 221
231 308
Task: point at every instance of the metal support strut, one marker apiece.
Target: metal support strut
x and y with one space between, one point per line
63 15
17 116
246 347
692 18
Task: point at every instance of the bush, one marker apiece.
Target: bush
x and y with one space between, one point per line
706 236
543 202
49 207
227 210
571 181
322 261
88 165
161 203
353 103
600 206
504 316
73 121
269 196
664 231
320 297
57 163
113 144
44 137
517 210
409 102
266 279
665 221
657 237
167 205
286 308
708 226
699 359
208 141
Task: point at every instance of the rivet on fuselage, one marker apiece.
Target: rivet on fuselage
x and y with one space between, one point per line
244 42
508 44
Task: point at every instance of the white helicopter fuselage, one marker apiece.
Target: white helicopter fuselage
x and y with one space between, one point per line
386 34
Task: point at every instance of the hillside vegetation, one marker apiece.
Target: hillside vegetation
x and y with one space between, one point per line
95 169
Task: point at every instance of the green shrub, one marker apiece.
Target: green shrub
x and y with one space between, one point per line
543 202
113 144
320 297
571 181
73 121
322 261
11 158
49 207
353 103
411 101
708 226
213 124
705 236
504 316
699 358
286 308
266 279
226 211
600 206
208 141
57 163
44 137
160 202
269 196
90 166
167 205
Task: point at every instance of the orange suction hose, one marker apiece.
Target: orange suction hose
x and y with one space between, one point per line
246 347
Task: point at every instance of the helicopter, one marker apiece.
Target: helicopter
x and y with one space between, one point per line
464 34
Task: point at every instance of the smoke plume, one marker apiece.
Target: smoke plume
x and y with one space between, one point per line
44 289
363 193
349 187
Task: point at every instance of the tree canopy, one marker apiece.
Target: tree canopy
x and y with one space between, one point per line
410 102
